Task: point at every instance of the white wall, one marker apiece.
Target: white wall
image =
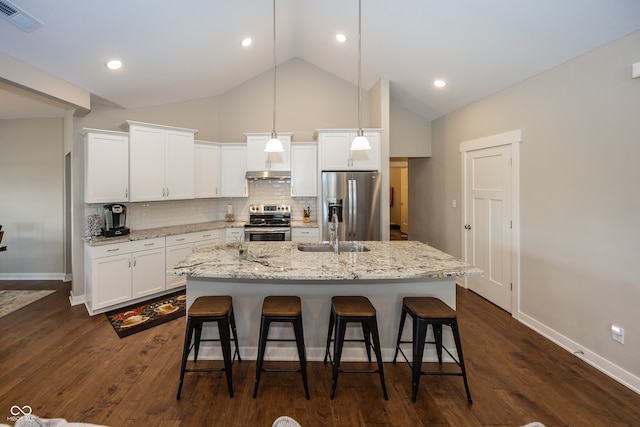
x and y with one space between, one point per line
579 198
31 202
410 133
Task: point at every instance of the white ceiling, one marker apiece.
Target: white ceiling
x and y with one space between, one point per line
176 51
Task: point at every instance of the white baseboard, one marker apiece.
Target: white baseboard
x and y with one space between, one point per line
619 374
32 276
75 300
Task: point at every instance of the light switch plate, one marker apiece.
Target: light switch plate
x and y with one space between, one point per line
635 70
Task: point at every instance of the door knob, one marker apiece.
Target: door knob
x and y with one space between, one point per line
467 227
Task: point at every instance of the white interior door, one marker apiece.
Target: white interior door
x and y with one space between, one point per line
487 222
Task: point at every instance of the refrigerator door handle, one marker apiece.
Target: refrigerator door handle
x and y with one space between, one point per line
350 207
354 206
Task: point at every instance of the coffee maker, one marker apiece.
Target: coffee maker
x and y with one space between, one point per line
115 218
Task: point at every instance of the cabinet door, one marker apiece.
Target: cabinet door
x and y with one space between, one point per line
147 164
106 167
304 170
173 255
110 280
258 160
234 170
207 170
179 173
148 272
367 159
334 151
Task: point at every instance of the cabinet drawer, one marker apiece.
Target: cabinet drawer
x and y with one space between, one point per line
108 250
198 236
143 245
310 234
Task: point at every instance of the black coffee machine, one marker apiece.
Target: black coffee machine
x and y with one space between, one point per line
115 219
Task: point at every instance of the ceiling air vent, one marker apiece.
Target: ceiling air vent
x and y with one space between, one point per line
18 17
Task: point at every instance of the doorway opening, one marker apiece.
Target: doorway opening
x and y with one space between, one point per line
398 198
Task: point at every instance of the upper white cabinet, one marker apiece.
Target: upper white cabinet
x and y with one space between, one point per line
161 162
207 169
335 154
233 169
304 169
106 166
258 160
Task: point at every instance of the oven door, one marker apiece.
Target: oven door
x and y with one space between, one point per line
267 234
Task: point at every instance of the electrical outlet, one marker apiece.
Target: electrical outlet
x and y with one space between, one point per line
617 334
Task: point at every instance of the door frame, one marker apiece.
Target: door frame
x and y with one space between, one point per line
514 139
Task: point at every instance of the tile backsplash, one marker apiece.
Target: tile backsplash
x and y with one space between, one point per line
143 215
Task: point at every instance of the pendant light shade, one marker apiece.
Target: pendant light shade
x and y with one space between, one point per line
360 142
274 145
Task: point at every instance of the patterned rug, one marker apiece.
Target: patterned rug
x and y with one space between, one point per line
147 314
11 301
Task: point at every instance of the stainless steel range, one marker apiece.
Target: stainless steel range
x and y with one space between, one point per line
271 223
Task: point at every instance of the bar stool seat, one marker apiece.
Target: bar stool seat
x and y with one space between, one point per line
346 309
425 311
205 309
281 309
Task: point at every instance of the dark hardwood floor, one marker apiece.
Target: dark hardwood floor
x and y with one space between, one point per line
63 363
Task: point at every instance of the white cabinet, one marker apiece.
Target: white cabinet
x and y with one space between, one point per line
207 169
106 166
305 234
233 234
335 154
258 160
148 272
182 245
121 272
233 169
161 162
304 169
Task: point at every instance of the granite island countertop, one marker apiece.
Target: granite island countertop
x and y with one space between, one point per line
391 260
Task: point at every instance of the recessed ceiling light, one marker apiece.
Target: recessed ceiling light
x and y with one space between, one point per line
439 83
341 37
114 64
246 42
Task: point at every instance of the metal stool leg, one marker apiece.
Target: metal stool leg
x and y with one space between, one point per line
419 334
329 333
403 316
264 332
373 327
340 328
456 337
299 333
185 354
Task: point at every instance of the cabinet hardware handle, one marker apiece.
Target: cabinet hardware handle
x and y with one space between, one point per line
149 244
180 240
126 193
113 250
134 262
167 192
206 235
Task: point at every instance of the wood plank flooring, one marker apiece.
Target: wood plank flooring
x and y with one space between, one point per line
65 364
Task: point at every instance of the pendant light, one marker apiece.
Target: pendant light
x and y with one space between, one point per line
274 145
360 142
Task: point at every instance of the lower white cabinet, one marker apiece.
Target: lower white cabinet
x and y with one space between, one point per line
305 234
182 245
122 272
233 234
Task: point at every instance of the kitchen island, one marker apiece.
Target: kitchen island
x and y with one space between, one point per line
385 273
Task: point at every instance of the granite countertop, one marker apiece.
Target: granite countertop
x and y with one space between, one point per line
302 224
283 261
152 233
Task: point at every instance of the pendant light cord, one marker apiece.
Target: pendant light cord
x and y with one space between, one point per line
273 133
359 66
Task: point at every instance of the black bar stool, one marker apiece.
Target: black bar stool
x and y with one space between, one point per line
345 309
425 311
281 309
210 309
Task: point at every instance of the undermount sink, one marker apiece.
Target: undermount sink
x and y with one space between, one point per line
328 247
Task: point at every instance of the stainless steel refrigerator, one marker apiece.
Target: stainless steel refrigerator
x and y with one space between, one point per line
355 198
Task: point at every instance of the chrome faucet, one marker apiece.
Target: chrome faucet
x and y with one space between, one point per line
333 229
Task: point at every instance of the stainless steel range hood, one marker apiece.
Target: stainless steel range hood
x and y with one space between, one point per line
276 175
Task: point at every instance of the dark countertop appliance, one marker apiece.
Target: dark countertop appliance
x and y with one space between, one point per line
115 220
268 223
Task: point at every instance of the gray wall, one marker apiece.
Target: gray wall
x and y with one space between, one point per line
579 207
31 198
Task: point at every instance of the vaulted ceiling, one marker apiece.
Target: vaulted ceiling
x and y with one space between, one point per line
176 51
